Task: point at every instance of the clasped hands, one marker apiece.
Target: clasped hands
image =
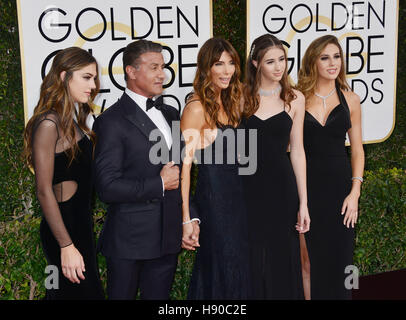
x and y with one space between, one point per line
170 177
190 237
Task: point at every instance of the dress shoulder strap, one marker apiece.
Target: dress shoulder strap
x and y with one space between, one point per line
189 101
50 116
345 104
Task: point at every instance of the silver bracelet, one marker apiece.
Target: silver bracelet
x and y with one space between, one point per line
358 178
189 221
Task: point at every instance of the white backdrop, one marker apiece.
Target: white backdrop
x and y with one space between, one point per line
367 31
106 27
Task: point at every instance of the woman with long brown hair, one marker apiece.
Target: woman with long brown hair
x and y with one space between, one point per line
58 146
212 113
332 111
275 194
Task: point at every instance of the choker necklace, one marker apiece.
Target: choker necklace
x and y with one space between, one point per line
267 93
325 97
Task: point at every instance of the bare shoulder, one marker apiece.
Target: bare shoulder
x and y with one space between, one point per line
194 108
193 115
352 98
353 101
299 101
299 95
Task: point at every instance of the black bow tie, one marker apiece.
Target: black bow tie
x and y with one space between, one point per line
158 103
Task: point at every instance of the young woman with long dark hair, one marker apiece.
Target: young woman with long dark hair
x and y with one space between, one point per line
212 113
275 195
58 146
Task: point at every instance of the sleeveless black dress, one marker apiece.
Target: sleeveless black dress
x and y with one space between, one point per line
77 217
329 241
221 265
272 205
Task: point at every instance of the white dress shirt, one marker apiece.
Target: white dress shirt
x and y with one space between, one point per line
154 114
159 120
156 117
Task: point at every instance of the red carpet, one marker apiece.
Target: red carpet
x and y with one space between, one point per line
382 286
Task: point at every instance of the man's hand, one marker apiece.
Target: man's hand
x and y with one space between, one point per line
170 176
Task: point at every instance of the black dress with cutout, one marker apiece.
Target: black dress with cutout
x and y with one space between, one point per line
76 225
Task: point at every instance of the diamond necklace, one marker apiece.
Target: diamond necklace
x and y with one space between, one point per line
267 93
325 97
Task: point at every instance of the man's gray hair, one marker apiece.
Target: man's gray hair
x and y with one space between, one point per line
135 49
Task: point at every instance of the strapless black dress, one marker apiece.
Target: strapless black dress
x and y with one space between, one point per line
273 203
221 265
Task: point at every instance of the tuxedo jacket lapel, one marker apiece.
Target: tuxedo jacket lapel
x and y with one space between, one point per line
137 116
167 115
171 114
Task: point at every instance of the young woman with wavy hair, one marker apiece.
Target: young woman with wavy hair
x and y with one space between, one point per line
211 114
275 194
58 145
332 111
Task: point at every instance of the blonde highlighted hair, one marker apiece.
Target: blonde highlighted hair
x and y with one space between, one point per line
308 74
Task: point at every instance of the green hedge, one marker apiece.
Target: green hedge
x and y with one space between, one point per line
381 230
380 240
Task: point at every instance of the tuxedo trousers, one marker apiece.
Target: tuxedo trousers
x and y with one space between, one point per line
152 277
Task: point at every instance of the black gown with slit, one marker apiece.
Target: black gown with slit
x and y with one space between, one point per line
221 265
76 224
272 205
329 242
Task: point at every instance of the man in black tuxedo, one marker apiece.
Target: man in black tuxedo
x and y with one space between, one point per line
142 234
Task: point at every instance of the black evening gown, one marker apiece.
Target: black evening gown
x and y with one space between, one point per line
329 241
272 205
221 264
77 219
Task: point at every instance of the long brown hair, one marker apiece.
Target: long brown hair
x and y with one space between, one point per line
308 74
259 48
204 88
55 97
